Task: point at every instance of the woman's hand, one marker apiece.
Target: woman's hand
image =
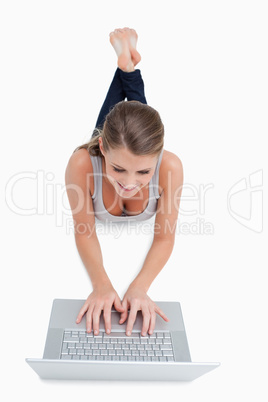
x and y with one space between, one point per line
103 298
136 299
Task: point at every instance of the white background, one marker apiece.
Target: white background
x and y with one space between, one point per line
205 66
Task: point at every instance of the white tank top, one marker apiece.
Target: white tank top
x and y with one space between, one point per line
101 212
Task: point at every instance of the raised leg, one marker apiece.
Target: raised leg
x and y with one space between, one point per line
133 85
114 95
127 82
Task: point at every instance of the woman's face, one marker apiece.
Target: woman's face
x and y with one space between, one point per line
127 172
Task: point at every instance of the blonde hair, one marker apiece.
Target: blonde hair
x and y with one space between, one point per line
132 125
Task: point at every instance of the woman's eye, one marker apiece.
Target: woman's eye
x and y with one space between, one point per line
119 170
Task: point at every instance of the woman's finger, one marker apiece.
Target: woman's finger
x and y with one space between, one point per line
125 313
152 322
146 321
107 316
96 319
118 305
131 319
89 319
82 312
161 313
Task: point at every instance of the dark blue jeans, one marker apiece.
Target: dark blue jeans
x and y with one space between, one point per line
124 85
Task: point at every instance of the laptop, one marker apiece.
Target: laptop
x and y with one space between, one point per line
73 354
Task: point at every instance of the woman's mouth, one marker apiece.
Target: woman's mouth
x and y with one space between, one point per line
126 189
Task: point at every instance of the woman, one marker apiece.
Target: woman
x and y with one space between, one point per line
123 173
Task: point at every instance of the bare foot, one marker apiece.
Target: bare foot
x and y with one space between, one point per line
124 43
119 41
132 43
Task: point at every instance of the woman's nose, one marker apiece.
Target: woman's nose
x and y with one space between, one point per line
130 182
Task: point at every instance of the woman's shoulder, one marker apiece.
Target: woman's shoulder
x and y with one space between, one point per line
170 163
80 161
79 168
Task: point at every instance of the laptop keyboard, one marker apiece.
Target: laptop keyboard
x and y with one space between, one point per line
117 346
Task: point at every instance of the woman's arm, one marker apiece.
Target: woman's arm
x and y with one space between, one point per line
171 181
77 179
92 260
155 261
